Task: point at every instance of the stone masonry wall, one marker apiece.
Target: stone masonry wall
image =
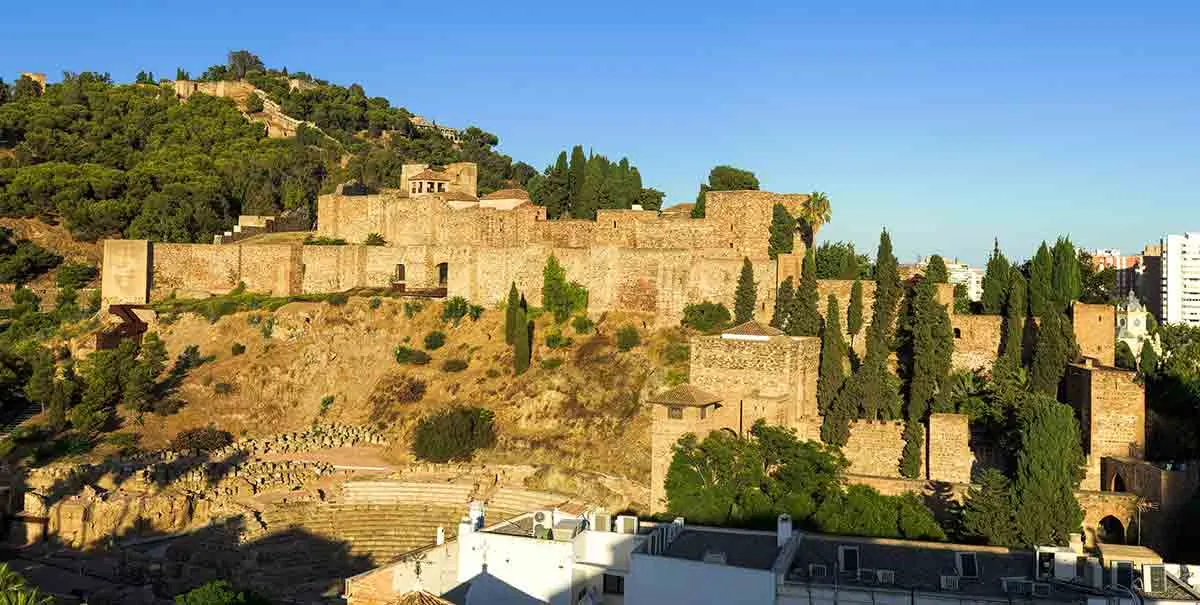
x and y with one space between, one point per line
125 272
948 446
214 269
976 340
875 447
1111 407
1095 331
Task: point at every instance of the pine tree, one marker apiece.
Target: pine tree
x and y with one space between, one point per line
995 282
936 271
783 305
910 457
512 307
804 318
1049 468
1055 347
833 357
783 231
1015 311
522 345
746 295
1041 282
576 174
854 311
987 515
556 191
1068 283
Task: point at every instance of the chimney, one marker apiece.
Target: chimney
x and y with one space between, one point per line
441 536
476 512
784 531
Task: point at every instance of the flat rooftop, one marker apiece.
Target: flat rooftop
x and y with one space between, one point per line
751 550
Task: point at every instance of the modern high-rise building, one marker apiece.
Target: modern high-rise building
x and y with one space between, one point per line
1125 267
1181 279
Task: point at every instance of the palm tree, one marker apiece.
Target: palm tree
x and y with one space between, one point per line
816 212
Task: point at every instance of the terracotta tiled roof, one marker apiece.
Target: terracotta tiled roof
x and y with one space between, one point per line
753 328
507 194
420 597
685 394
458 196
429 175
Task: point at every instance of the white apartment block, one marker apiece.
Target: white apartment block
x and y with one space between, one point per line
1181 279
962 273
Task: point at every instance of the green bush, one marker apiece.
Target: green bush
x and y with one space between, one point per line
628 338
23 260
475 311
237 348
337 299
201 440
455 309
75 275
454 365
412 308
411 356
706 316
434 340
555 340
582 324
676 352
254 104
326 403
550 363
324 241
219 592
222 388
375 302
409 390
267 328
374 239
454 434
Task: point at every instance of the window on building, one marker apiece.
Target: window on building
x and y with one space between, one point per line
614 584
848 559
675 412
957 332
968 565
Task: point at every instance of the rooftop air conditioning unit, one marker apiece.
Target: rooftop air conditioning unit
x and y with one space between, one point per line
949 583
816 570
886 576
603 522
715 557
543 524
627 524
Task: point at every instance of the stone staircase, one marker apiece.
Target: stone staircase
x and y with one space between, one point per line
510 502
380 532
402 492
17 416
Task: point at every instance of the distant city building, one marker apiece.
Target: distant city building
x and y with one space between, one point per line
451 134
962 273
1133 323
1126 268
1181 279
1150 279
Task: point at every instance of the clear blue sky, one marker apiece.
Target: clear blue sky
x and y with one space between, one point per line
948 122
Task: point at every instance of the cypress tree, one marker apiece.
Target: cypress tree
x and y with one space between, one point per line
512 306
835 425
1015 311
576 174
556 192
522 345
987 515
591 193
936 271
1147 360
995 282
1041 282
854 311
931 348
804 318
910 457
1068 283
783 231
1055 347
833 357
878 388
746 294
1049 467
783 305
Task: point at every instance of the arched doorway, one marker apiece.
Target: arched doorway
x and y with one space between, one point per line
443 274
1110 531
1118 483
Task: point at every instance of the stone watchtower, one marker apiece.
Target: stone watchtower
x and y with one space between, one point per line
749 372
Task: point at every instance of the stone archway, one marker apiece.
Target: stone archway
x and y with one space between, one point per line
1110 530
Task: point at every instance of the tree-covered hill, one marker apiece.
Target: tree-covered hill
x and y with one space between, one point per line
131 160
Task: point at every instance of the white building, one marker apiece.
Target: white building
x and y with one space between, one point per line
1133 324
1181 279
962 273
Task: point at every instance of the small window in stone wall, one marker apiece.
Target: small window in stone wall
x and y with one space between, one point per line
957 332
703 413
675 412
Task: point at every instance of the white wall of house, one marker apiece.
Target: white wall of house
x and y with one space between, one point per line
672 581
539 568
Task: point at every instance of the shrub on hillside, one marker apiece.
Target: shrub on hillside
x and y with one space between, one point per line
254 104
374 239
455 309
434 340
454 434
222 388
412 308
219 592
706 316
375 302
237 348
22 260
454 365
324 241
409 390
201 440
555 340
326 403
628 338
475 311
550 363
411 356
676 352
75 275
337 299
582 324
